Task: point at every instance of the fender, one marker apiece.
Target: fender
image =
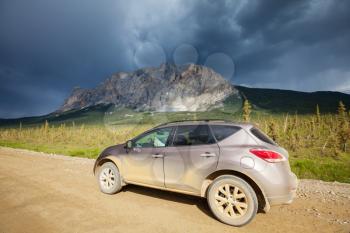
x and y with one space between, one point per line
236 170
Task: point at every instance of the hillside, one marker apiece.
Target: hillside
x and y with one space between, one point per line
282 101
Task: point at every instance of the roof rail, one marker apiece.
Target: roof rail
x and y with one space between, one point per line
205 120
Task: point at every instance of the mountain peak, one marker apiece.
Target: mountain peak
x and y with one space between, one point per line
165 88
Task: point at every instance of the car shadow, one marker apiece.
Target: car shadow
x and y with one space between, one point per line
200 203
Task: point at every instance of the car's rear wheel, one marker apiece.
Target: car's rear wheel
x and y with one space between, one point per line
109 178
232 200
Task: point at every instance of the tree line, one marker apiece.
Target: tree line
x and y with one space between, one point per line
330 133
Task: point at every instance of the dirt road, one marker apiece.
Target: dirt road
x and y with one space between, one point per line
50 193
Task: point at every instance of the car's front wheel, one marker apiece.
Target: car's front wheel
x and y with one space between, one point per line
232 200
109 178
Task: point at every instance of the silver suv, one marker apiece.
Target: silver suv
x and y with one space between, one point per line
235 166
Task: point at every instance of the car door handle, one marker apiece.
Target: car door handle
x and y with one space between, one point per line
157 156
208 154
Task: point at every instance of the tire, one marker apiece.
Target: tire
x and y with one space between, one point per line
241 205
109 178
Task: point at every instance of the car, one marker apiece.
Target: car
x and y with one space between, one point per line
235 166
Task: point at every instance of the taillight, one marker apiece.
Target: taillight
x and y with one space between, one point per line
268 155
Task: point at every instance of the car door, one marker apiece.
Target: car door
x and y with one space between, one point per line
143 162
192 156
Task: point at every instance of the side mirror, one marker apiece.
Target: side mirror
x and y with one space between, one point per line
129 144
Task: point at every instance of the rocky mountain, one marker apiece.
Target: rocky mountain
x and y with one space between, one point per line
94 106
165 88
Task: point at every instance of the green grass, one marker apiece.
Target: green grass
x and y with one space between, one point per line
70 150
327 170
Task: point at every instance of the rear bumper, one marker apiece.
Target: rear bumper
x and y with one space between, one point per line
290 194
280 200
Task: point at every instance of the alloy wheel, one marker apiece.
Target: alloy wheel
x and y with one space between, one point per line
231 201
107 178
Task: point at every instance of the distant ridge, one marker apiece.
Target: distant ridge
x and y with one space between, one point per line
283 101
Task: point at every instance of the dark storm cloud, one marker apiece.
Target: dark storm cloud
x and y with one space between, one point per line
280 44
48 47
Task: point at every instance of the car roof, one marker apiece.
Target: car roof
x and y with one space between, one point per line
207 122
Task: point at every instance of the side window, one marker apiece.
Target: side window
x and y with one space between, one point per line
188 135
263 137
155 138
223 131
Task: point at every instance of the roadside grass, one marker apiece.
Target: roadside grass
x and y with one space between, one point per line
82 141
322 169
55 149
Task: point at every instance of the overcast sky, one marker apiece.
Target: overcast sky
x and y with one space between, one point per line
48 47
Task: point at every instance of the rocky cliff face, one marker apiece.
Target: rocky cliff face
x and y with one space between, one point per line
165 88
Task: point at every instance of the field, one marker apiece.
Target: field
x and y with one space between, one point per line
317 143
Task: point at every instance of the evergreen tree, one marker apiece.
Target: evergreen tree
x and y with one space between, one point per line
344 136
247 109
272 132
341 112
343 131
334 143
46 126
318 115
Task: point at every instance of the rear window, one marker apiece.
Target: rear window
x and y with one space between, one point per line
223 131
262 136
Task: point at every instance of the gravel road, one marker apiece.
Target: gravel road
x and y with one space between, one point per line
54 193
